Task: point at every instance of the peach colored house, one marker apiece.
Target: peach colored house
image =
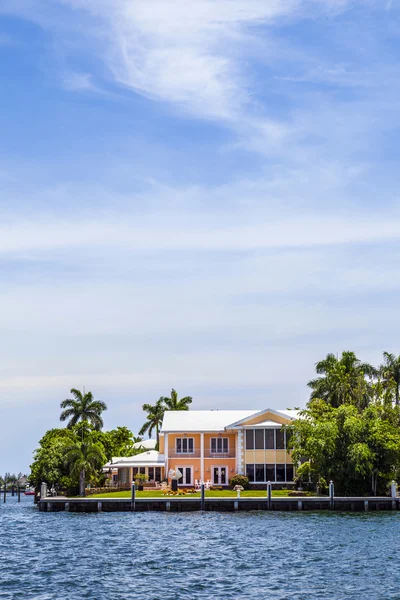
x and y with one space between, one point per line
213 445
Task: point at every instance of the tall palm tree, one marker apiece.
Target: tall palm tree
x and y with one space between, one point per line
389 371
85 459
342 380
82 407
173 403
154 418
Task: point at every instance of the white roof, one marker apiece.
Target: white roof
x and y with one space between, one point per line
182 421
146 444
151 458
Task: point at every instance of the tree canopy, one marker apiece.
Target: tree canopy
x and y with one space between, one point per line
350 430
82 407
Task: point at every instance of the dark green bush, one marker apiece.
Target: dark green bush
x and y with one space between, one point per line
239 480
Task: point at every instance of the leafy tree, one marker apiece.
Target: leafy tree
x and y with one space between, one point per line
389 371
118 442
174 403
359 449
154 418
84 459
49 459
82 407
342 381
49 463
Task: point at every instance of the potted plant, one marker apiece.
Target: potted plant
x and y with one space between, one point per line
140 480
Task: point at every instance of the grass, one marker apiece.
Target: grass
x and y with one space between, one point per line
209 494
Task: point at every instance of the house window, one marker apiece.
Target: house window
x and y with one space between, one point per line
259 439
219 445
269 439
280 472
280 439
260 473
250 472
270 472
184 445
249 439
154 474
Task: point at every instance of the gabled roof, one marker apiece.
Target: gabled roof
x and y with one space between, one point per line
286 414
196 421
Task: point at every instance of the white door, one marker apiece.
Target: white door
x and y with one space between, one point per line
220 475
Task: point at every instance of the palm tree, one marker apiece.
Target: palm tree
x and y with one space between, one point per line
342 380
85 459
389 371
82 407
173 403
154 418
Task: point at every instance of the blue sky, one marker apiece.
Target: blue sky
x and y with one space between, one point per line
199 194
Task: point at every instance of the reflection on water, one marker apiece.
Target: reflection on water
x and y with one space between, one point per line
164 556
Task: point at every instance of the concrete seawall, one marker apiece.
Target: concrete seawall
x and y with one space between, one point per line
344 504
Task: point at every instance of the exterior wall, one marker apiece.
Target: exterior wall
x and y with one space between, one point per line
203 471
161 444
267 456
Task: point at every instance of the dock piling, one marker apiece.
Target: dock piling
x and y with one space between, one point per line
331 495
202 501
133 497
269 495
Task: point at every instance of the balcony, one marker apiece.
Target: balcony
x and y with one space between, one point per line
207 454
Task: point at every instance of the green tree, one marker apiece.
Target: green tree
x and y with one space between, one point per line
389 371
118 442
49 459
174 403
358 449
82 407
155 415
84 459
342 380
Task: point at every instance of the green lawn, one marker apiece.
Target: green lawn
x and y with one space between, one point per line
209 494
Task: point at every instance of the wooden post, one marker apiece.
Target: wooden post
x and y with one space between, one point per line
5 490
19 493
12 490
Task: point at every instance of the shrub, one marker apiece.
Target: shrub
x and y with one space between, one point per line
239 480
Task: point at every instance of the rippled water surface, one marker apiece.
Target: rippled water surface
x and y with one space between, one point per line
197 555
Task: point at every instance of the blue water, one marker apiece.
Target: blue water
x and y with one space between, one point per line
164 556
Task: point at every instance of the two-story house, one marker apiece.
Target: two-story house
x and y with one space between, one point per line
215 444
